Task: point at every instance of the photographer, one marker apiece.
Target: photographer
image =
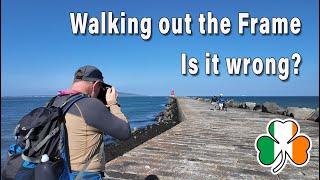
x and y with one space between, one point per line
89 119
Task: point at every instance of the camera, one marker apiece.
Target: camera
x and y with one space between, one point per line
103 91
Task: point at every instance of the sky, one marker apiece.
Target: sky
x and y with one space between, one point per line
39 53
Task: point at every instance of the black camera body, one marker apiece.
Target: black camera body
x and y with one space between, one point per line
102 94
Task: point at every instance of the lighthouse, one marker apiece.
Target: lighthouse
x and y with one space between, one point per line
172 93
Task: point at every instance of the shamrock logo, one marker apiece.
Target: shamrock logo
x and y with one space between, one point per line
283 142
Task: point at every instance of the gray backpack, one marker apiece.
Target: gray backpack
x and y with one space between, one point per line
41 148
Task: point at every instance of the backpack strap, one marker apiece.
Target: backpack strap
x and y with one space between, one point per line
44 141
51 101
70 101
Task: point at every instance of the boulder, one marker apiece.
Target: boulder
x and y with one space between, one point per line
258 107
168 114
236 104
134 130
200 99
315 116
230 103
271 107
300 113
160 118
242 105
281 111
250 105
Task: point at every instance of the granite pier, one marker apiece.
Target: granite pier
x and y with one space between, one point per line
210 144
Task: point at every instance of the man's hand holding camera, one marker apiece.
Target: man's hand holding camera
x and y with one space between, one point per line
112 103
111 97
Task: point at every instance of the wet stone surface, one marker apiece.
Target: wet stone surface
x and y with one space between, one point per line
210 145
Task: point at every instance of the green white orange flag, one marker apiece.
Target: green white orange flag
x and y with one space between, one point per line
283 142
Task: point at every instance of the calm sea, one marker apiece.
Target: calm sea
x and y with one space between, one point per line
141 111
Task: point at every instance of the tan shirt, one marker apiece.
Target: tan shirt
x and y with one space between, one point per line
86 122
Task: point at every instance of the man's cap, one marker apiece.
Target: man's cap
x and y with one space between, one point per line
89 73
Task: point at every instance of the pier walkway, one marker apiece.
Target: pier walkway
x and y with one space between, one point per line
210 145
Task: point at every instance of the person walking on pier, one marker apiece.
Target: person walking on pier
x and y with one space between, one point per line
218 102
214 103
221 102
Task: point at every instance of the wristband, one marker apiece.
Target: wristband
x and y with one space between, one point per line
116 103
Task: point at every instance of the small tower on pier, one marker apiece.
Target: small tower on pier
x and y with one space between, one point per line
172 93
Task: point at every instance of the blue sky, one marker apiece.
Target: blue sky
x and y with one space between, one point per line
40 53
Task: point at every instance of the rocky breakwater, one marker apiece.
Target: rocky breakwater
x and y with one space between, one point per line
271 107
164 121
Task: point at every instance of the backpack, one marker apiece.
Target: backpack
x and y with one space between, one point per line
41 148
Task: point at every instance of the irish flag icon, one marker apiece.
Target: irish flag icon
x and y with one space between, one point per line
283 142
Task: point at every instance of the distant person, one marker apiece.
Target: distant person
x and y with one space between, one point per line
214 99
88 120
214 103
221 102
